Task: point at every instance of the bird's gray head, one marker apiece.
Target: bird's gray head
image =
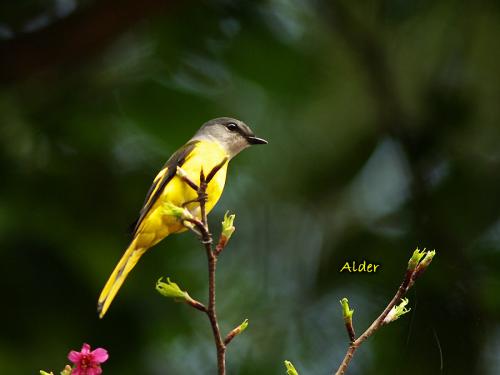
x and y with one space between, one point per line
234 135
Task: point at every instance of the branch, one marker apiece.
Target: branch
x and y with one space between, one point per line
206 240
416 266
216 169
200 227
235 332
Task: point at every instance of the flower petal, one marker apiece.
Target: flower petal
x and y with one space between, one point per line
74 356
100 355
85 349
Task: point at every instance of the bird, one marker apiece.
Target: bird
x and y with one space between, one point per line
214 144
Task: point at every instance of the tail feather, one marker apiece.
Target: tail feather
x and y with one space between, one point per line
115 281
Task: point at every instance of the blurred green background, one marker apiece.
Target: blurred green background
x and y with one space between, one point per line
383 126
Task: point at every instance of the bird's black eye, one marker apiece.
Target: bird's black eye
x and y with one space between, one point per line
232 126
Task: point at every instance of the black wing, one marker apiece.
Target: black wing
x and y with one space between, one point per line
176 160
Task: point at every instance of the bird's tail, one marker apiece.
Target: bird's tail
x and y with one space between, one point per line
115 281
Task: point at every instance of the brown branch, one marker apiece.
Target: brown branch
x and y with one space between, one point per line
230 336
212 267
414 270
350 331
235 332
202 198
220 245
370 331
196 304
216 169
206 240
184 176
347 315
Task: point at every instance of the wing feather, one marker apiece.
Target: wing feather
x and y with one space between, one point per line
168 172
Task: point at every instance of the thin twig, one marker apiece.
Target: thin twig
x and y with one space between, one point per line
212 267
197 305
370 331
235 332
412 273
216 169
220 245
185 177
206 239
350 332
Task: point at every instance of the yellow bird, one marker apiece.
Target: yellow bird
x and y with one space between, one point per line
217 140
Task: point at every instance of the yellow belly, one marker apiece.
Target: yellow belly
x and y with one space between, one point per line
157 225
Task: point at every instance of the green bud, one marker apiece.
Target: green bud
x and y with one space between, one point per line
415 259
427 258
171 290
227 225
346 312
424 263
46 373
67 370
290 370
242 326
397 311
235 332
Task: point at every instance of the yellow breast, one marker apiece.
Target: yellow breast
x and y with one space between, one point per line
205 156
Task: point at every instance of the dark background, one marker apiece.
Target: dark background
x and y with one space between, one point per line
383 127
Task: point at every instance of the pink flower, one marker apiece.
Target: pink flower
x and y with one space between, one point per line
88 362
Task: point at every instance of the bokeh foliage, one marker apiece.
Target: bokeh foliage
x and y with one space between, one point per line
382 118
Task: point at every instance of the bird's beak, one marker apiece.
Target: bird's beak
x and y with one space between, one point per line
256 141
